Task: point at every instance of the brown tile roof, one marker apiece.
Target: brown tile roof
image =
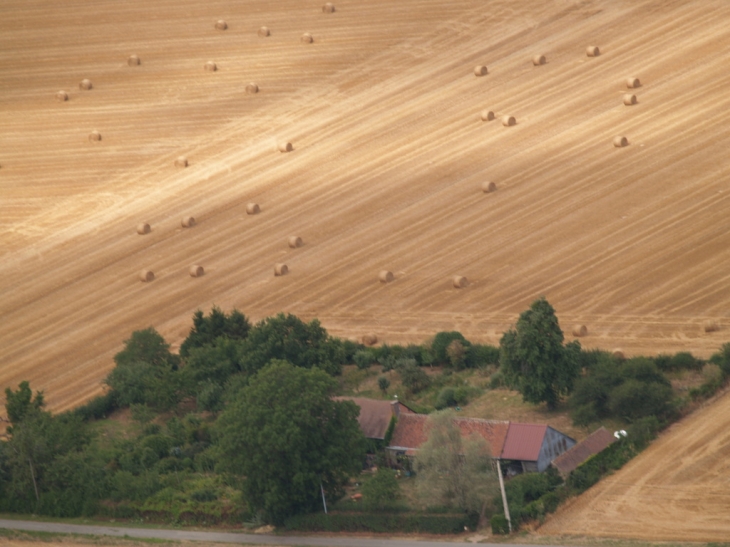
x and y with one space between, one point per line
591 445
411 432
523 442
375 414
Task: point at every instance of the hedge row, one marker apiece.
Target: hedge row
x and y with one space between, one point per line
383 522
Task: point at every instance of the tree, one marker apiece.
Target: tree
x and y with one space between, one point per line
534 360
288 338
145 372
206 330
19 403
454 470
414 378
287 436
383 384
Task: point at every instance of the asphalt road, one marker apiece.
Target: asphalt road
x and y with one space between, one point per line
222 537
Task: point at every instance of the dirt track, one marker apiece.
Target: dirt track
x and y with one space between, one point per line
389 155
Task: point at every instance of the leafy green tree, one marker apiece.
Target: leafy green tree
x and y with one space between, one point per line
206 330
145 372
286 435
382 491
19 403
288 338
441 343
534 360
454 470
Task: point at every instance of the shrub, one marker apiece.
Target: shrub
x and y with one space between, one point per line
499 524
204 494
643 431
441 342
381 491
97 408
364 358
479 356
634 399
414 378
383 384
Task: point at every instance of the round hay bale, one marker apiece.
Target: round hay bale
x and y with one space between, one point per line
486 115
620 141
133 60
143 228
538 60
196 271
295 242
252 88
146 276
593 51
210 66
94 136
285 147
480 70
629 99
181 161
329 7
307 38
632 83
580 330
264 32
619 354
253 209
711 326
369 339
488 187
280 269
187 222
85 84
62 96
508 121
459 281
220 24
386 276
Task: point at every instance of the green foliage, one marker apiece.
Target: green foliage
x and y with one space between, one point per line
145 372
679 361
643 431
97 408
285 434
383 523
382 491
383 384
481 355
288 338
414 378
634 399
499 524
451 396
722 359
441 343
453 470
205 494
207 330
18 404
534 360
364 358
610 459
389 432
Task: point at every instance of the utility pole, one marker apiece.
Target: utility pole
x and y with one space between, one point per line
324 502
504 497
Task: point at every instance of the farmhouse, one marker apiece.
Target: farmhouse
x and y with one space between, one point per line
528 447
375 415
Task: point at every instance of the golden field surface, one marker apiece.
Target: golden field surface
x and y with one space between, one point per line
676 490
383 111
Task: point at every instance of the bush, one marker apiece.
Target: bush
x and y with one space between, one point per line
383 384
440 345
364 358
413 377
479 356
643 431
499 524
204 494
97 408
634 399
381 491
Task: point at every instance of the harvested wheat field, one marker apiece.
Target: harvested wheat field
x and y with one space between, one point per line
676 490
385 172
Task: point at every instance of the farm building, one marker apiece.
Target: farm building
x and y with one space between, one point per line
590 446
528 447
375 415
532 447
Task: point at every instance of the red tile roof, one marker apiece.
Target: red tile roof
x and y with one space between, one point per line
375 414
591 445
523 442
411 432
